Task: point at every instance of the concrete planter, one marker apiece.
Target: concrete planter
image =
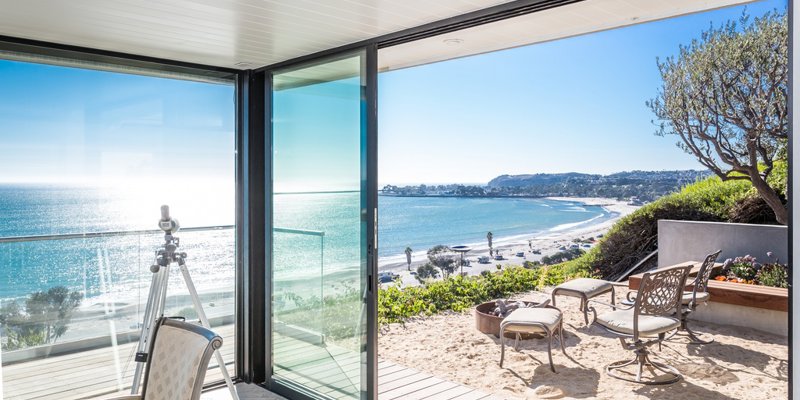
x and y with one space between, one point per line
751 306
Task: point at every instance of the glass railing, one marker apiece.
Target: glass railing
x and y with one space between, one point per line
318 313
299 276
71 306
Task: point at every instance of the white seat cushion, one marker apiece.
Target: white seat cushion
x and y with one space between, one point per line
702 297
649 325
519 319
588 286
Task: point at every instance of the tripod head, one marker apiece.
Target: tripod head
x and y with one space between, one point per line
168 254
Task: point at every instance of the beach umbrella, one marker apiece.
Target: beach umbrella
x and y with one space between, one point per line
408 257
489 238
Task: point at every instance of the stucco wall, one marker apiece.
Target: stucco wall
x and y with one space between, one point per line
680 241
775 322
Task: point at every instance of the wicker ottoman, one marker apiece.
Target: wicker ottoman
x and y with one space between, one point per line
545 320
584 289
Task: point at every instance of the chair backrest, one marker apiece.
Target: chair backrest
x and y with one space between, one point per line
178 360
701 283
659 293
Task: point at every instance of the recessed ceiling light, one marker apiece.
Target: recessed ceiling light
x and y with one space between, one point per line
452 41
243 64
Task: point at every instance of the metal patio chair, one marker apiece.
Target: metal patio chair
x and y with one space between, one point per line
646 323
698 295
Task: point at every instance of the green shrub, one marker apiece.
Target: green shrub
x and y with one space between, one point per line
457 294
775 275
427 271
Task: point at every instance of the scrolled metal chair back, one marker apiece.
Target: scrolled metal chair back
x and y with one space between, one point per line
701 283
660 292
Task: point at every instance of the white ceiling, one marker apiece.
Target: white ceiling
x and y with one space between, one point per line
225 33
557 23
253 33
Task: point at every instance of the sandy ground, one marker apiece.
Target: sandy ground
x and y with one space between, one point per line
740 364
547 244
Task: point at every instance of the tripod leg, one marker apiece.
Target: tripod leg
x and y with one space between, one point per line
153 310
201 314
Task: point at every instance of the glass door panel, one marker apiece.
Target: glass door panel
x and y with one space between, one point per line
319 229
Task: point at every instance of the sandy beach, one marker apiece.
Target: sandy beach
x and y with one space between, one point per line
547 244
741 364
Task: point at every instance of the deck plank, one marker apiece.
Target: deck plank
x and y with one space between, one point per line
328 369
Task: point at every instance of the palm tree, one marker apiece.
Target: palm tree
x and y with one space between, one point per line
489 238
408 257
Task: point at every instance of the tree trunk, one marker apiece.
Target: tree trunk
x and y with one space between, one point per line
770 197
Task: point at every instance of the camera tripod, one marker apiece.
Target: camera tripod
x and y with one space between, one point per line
166 256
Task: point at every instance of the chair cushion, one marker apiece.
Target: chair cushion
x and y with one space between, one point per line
588 286
519 319
649 325
702 297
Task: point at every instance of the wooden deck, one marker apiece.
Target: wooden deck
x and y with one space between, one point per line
88 374
329 369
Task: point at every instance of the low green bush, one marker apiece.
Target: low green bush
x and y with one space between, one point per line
457 294
775 275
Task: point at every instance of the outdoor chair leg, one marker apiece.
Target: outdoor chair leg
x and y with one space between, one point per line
613 298
502 346
561 336
549 350
585 307
643 360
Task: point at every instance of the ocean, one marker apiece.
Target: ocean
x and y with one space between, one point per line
109 269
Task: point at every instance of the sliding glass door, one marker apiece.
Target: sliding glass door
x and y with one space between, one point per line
319 261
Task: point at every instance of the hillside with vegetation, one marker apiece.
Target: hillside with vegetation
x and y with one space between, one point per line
636 235
641 185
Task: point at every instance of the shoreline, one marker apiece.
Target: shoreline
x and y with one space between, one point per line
547 242
91 319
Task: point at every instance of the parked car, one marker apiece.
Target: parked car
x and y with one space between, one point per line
484 260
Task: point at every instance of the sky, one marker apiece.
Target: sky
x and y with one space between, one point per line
69 125
572 105
575 104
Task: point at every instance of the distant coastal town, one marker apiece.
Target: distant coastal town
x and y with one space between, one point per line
638 187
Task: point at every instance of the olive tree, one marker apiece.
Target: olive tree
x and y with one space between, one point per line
725 97
440 256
